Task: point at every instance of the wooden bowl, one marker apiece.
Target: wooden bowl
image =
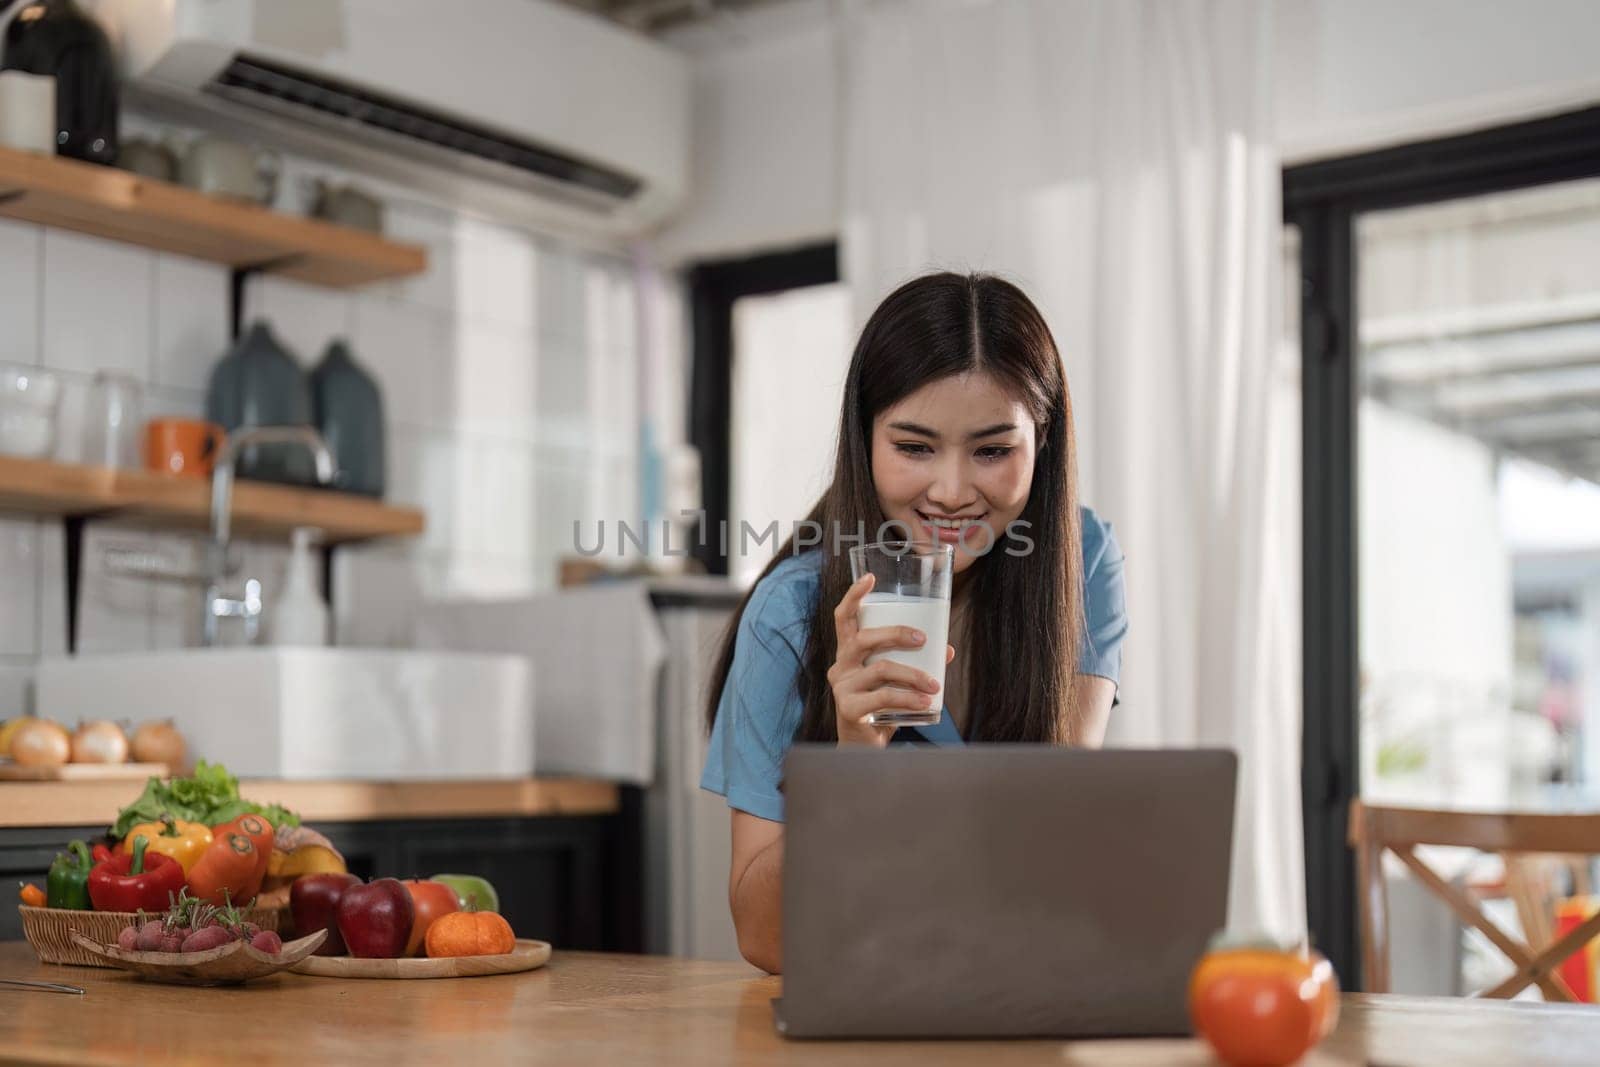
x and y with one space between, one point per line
228 964
50 930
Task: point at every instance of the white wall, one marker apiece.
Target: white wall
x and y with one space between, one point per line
1355 74
1351 75
791 354
764 170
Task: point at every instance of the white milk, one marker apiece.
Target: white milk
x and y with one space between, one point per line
931 615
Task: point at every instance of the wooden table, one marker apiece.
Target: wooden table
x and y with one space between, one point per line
598 1009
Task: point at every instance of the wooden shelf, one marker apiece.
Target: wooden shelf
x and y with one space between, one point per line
42 487
121 206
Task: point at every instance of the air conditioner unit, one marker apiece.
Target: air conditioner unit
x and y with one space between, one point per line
522 108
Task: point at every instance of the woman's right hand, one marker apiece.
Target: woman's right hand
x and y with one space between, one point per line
861 688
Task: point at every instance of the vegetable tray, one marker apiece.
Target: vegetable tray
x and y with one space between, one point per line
50 930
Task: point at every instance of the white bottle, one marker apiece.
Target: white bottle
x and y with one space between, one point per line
299 616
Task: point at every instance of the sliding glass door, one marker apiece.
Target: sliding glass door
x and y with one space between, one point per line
1450 333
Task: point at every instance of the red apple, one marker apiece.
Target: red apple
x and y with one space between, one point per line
314 903
375 919
431 900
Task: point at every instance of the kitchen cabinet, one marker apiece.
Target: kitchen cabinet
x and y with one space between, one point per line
572 880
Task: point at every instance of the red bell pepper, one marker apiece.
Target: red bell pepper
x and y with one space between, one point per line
138 882
100 853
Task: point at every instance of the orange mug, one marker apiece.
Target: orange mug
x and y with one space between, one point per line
185 447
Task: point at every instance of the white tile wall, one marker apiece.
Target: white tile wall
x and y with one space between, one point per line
98 305
408 346
19 292
52 589
19 603
495 276
434 229
379 589
16 687
303 317
191 313
114 614
562 391
509 373
495 379
174 608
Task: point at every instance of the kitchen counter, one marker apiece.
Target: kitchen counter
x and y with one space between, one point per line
603 1009
84 803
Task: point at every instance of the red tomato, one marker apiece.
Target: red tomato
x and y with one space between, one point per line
1263 1006
430 900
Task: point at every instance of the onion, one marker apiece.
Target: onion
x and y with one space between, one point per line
41 743
101 741
158 741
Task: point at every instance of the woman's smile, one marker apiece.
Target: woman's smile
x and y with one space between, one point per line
953 529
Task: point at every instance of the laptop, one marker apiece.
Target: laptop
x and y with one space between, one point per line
999 890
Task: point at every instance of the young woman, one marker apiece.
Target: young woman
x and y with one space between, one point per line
956 424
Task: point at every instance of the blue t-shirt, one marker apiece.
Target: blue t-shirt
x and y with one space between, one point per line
760 707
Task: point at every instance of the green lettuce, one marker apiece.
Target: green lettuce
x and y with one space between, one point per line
210 796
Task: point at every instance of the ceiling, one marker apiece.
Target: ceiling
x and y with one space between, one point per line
1483 316
1532 391
655 16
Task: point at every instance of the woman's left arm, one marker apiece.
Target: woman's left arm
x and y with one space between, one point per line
1093 713
1105 626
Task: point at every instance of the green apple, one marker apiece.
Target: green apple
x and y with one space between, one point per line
471 891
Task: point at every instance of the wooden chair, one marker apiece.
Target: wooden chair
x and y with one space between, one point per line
1375 830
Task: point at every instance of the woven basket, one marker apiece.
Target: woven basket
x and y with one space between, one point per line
49 930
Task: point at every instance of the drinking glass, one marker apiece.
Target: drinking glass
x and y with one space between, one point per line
29 401
114 423
912 588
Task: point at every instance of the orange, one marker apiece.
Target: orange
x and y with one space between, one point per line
469 933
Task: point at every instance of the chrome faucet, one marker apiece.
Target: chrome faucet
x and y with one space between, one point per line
217 606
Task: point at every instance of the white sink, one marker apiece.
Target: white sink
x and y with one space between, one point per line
315 712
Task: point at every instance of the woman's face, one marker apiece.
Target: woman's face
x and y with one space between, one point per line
953 461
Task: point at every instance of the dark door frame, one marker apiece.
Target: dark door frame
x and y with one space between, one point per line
1323 199
713 288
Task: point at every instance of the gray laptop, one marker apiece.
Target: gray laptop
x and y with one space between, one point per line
999 890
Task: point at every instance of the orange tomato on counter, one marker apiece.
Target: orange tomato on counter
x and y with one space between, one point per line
1263 1005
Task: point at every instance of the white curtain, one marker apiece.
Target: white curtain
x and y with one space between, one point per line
1114 158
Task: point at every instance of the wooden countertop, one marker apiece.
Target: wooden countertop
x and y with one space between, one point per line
84 803
598 1009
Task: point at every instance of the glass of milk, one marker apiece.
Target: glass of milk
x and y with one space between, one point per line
912 589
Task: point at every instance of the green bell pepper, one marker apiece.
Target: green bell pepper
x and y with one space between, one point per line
67 884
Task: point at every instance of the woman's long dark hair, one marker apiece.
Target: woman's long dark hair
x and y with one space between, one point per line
1025 612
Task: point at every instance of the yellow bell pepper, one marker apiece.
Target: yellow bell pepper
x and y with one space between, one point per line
185 842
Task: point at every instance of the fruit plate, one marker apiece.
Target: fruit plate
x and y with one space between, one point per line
526 956
225 965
